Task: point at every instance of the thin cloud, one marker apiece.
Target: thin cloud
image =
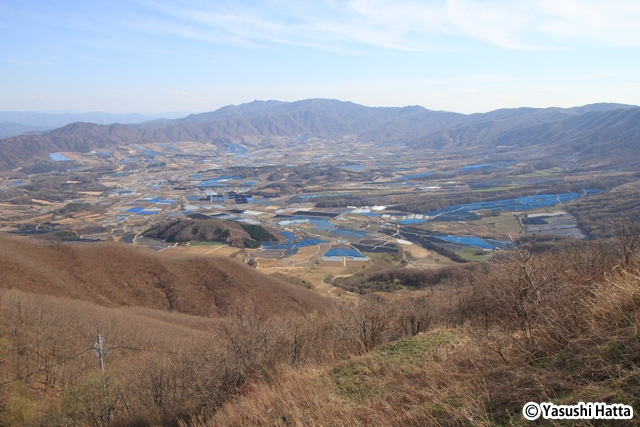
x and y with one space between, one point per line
404 25
612 22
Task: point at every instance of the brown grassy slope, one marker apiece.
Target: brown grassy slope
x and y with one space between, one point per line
119 275
29 318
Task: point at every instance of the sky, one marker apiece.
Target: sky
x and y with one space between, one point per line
151 56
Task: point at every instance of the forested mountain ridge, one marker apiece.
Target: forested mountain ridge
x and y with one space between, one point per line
613 129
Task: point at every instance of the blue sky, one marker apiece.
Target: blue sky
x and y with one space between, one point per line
467 56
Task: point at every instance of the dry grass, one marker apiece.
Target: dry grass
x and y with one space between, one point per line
558 326
121 275
160 366
404 383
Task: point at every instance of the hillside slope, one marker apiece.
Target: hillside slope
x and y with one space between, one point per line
554 326
120 275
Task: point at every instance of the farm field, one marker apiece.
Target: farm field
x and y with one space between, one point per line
503 226
477 255
201 243
326 205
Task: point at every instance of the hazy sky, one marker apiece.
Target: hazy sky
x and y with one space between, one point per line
457 55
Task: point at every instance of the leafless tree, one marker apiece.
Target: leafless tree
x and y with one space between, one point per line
627 234
364 323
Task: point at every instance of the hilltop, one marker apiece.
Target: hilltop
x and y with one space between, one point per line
212 230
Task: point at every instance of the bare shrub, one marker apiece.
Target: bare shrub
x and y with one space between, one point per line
615 306
89 403
415 315
364 324
627 234
253 341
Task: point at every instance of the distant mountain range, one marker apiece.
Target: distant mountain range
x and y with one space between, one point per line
8 129
13 123
587 131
